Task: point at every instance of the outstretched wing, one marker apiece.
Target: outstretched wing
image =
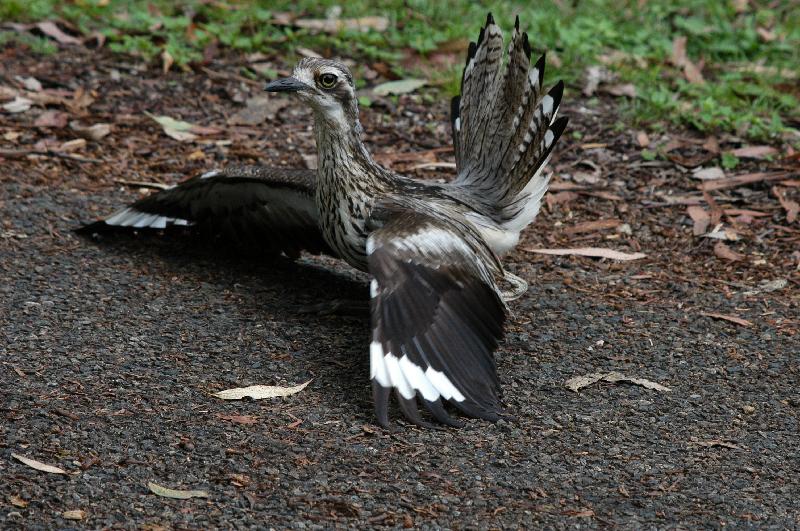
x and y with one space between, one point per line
271 208
436 319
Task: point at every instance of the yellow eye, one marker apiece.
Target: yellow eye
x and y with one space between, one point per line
327 81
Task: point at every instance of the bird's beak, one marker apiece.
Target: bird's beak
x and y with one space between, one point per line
286 84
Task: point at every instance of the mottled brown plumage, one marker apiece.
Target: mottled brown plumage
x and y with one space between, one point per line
432 250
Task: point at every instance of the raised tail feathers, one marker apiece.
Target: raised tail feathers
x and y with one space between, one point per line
505 126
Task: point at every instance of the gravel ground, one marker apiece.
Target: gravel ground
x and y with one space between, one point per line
111 351
110 354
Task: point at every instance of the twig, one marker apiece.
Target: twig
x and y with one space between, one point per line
22 153
141 184
234 77
741 180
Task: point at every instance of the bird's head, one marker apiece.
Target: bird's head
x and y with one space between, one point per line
327 86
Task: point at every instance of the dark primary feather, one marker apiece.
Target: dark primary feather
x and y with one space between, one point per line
272 208
433 306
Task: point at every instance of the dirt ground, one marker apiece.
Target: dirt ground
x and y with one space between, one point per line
111 350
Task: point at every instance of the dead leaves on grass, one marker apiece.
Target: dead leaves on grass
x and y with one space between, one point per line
691 71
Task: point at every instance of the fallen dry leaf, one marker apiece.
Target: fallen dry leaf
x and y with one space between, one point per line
560 197
754 152
792 208
731 318
92 132
721 233
706 174
679 58
594 252
626 89
692 73
7 93
55 119
679 51
38 465
257 110
593 77
176 494
726 253
30 83
701 219
16 501
180 130
19 105
579 382
307 52
166 61
76 514
767 286
257 392
73 145
51 30
401 86
81 100
238 419
593 226
711 144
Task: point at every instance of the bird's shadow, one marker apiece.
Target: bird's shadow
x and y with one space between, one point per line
304 283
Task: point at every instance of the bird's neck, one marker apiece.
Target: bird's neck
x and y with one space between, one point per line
342 158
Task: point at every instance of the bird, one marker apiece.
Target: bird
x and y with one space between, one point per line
439 294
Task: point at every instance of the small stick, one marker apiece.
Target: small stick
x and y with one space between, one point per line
22 153
234 77
141 184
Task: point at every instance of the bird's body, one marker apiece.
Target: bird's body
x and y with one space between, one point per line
432 249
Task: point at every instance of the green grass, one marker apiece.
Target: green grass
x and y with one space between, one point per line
749 89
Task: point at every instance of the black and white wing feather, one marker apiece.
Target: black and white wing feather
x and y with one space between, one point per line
436 319
272 209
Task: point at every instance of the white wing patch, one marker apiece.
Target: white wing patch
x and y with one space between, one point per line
408 377
128 217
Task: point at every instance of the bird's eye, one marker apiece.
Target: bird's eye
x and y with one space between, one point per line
327 80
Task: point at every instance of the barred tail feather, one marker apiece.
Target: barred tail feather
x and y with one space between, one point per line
505 127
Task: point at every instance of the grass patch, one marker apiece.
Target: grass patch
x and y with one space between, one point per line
749 58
